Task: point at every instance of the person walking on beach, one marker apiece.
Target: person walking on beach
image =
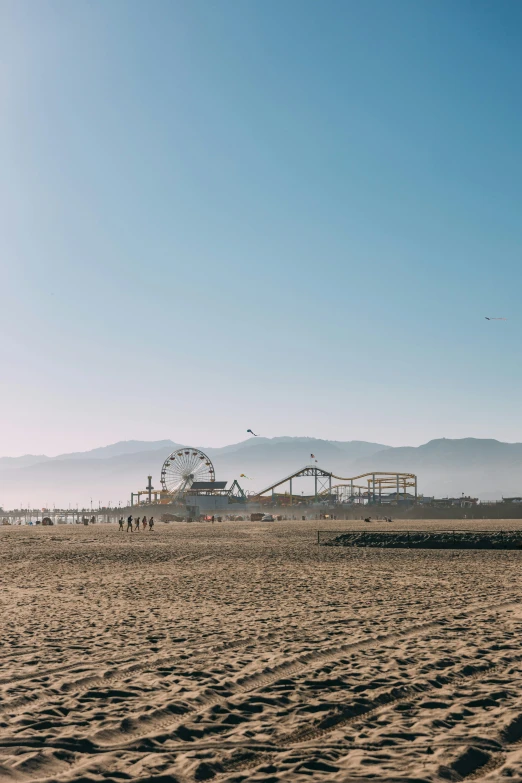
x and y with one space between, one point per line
137 524
120 523
129 523
144 523
151 523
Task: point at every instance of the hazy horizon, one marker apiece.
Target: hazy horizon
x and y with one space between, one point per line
486 469
178 442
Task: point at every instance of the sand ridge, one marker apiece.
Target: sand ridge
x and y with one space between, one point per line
244 651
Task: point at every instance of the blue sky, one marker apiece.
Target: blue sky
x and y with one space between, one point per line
291 216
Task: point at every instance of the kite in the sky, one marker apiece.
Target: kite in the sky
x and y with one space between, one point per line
243 475
312 456
494 319
253 433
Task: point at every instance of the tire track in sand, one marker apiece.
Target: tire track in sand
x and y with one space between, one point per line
163 719
156 721
253 758
410 693
17 705
478 765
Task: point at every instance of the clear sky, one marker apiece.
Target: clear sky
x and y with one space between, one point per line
286 215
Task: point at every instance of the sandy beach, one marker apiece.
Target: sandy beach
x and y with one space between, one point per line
243 651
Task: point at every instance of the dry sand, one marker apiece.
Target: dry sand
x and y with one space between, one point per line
245 652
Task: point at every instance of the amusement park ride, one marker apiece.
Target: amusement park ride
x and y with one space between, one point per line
185 474
188 476
380 487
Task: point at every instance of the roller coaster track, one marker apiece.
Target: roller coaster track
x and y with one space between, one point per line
385 479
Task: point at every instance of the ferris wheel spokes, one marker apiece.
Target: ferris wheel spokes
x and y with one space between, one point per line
183 467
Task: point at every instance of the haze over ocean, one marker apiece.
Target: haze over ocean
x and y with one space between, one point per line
286 216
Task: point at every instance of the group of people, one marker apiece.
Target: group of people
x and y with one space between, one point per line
136 521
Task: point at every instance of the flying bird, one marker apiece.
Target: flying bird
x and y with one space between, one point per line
494 319
253 433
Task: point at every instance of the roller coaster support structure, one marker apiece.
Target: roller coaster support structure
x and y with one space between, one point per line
377 482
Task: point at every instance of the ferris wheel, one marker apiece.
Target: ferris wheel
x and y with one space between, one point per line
182 468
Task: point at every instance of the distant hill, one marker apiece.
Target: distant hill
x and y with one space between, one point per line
122 448
483 468
113 472
103 452
267 460
353 448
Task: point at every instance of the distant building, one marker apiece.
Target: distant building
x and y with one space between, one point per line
462 501
393 497
208 497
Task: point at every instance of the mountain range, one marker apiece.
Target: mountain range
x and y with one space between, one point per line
487 469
